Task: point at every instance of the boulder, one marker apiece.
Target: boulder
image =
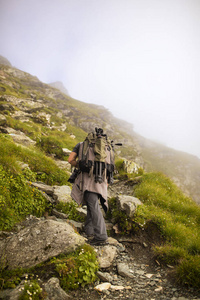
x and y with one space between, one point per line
130 166
128 204
37 243
47 189
124 270
20 138
106 256
62 193
66 151
54 291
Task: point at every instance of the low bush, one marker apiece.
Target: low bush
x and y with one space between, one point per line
70 209
77 269
18 199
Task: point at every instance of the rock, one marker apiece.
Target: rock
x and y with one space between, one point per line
114 242
106 256
128 204
23 165
103 286
43 187
63 165
82 212
159 289
104 276
130 166
37 243
66 151
59 214
62 193
124 270
54 291
12 294
2 120
76 225
117 287
20 138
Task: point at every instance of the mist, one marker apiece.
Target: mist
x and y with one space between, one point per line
139 59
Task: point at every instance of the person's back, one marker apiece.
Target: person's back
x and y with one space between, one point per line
91 183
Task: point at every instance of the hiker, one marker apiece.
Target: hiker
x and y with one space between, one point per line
89 186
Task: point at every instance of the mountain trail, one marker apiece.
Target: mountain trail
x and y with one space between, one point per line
144 276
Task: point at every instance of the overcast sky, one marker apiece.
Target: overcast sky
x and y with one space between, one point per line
138 58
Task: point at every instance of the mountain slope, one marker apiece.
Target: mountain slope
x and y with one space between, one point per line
25 99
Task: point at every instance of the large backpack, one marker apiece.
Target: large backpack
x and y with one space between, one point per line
97 156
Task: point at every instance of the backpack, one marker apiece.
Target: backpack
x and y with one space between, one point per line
97 156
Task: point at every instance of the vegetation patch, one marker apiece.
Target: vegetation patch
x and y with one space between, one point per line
70 209
75 270
18 199
178 219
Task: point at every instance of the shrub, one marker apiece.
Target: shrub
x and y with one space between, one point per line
69 209
18 199
188 271
77 269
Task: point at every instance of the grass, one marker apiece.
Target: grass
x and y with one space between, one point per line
178 219
45 168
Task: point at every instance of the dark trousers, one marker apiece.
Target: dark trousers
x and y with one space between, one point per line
94 224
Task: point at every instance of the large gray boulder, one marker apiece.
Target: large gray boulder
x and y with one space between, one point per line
37 243
62 193
128 204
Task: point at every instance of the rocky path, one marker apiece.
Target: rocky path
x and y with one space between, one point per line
134 273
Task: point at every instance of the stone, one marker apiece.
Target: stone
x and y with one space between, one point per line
130 166
128 204
103 286
38 242
104 276
82 212
59 214
62 193
2 120
117 287
124 270
20 138
66 151
54 291
159 289
106 256
12 294
43 187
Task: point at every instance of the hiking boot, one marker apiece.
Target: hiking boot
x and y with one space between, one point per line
90 237
95 242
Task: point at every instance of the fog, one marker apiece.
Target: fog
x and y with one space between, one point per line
139 59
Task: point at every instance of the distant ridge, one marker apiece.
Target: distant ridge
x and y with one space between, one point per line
4 61
60 86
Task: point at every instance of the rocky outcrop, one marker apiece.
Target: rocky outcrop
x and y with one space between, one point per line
128 204
38 242
130 166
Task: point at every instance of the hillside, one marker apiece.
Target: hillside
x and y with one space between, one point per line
154 240
26 99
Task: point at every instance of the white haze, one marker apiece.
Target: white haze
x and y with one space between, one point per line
139 59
